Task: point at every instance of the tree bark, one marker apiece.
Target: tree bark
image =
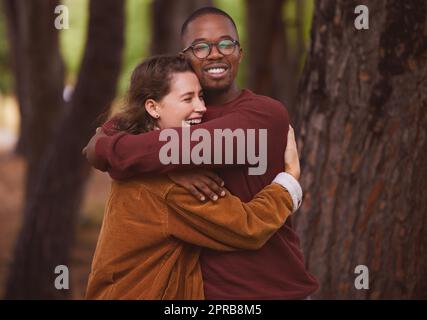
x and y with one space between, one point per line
50 215
362 121
167 19
39 74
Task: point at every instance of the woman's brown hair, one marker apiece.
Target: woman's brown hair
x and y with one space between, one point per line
150 80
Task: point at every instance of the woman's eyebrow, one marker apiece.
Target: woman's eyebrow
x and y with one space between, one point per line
190 93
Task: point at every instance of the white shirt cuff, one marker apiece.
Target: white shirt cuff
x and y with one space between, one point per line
291 184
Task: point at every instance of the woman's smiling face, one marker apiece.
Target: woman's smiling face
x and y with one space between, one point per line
183 105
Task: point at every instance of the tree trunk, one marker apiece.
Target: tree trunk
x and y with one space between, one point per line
167 19
273 59
39 76
49 221
266 45
362 121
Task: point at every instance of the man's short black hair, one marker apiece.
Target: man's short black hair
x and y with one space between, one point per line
204 11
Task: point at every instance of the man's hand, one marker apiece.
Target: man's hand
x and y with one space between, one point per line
89 151
292 165
200 183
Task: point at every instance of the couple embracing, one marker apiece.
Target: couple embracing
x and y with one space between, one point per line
207 230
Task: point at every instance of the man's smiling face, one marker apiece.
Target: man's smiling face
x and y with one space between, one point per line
217 72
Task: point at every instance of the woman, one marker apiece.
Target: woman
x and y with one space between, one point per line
153 229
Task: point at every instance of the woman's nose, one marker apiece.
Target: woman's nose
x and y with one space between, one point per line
200 106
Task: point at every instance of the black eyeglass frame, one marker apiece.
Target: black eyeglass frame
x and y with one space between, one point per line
211 44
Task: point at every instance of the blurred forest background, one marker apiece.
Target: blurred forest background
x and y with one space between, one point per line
357 99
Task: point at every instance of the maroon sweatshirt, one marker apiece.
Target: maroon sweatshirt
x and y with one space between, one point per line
277 270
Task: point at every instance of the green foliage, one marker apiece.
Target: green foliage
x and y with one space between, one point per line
6 82
137 37
308 19
73 40
289 16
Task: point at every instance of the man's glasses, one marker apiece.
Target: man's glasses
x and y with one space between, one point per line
203 49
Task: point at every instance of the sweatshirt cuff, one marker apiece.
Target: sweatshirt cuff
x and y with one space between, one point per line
291 184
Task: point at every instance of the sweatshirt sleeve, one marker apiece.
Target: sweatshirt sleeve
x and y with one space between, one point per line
131 155
228 224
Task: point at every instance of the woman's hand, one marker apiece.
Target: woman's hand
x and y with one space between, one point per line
292 165
200 183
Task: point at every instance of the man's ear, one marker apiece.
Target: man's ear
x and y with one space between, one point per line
240 54
152 107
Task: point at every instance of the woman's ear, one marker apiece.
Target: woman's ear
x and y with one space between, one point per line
152 107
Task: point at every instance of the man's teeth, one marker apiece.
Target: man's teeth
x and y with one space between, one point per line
216 70
194 121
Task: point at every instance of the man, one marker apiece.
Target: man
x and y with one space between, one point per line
211 44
